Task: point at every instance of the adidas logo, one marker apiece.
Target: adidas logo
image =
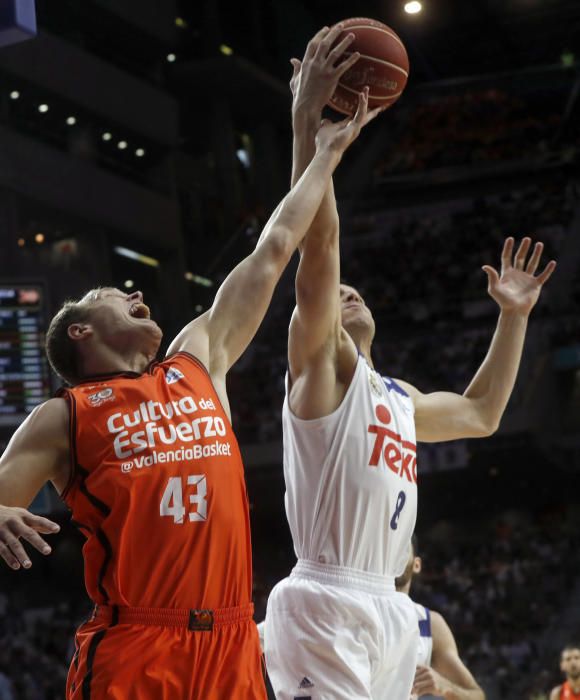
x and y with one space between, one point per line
306 683
173 375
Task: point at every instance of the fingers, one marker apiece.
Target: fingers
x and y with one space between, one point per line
314 42
506 254
375 113
328 40
8 557
547 273
534 260
492 275
363 103
35 540
40 524
12 543
347 64
335 54
522 254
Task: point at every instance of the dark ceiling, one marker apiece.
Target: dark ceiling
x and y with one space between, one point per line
448 38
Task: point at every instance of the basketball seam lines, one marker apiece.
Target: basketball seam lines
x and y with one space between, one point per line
376 29
371 96
378 60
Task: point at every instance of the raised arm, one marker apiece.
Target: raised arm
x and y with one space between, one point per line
477 412
221 335
37 453
318 347
448 677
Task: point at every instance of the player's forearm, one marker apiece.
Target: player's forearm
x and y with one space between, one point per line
305 124
455 692
293 217
493 383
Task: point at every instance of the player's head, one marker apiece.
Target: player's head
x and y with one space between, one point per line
414 564
357 319
570 661
105 320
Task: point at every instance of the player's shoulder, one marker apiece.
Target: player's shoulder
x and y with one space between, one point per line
51 414
555 693
46 426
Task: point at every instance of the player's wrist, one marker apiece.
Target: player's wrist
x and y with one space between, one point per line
305 116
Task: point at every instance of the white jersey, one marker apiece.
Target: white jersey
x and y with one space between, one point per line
425 635
351 477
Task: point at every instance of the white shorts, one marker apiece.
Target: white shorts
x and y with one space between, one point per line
334 633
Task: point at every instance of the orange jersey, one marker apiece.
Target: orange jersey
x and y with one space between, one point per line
566 692
158 489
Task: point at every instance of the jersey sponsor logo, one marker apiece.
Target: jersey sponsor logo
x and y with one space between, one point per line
305 683
400 456
153 424
173 375
182 454
101 397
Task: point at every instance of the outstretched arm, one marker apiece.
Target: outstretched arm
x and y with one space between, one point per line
316 346
448 677
221 335
444 416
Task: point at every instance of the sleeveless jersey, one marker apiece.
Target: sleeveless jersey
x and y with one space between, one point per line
566 692
425 636
158 490
351 477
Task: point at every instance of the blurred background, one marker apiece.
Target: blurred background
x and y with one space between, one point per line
143 144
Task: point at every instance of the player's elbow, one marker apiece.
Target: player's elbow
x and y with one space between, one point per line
278 247
485 427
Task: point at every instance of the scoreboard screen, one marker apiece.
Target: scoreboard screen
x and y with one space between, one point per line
24 372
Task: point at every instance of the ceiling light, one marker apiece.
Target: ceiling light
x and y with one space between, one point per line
171 58
14 95
133 255
198 279
107 136
140 152
43 108
71 121
180 22
122 145
21 242
129 284
226 50
39 238
413 8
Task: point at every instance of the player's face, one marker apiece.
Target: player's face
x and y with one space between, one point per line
354 311
570 663
122 320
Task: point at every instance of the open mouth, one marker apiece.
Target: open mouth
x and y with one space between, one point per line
139 310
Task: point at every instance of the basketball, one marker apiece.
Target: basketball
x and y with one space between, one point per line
383 66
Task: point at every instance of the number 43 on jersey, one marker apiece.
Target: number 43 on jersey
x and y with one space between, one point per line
172 501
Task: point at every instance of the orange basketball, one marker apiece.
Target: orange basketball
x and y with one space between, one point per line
383 66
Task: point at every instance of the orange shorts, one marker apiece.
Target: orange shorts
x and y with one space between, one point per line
163 658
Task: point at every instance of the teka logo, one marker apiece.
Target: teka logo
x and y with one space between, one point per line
400 455
101 397
173 375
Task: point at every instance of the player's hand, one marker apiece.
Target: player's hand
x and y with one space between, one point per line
429 682
315 78
17 524
518 287
337 136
